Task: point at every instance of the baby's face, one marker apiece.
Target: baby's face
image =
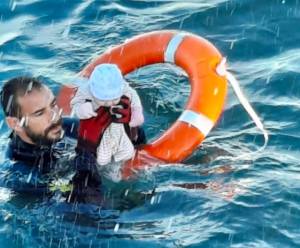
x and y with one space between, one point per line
107 103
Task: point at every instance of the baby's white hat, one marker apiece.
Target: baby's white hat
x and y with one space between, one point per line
106 82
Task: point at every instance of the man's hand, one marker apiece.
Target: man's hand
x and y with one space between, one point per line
85 111
124 111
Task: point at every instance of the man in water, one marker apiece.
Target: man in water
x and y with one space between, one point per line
38 143
39 151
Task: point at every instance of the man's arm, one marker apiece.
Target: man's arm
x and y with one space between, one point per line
22 178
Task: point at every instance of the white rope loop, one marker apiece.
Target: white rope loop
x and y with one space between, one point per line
221 70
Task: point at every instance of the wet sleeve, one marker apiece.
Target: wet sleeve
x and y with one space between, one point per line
82 94
137 116
22 178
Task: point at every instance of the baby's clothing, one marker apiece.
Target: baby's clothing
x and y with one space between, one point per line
115 143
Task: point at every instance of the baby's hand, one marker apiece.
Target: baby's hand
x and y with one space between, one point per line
123 109
85 111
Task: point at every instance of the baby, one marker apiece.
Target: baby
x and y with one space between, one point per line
105 87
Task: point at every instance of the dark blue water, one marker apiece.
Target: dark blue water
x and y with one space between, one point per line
255 205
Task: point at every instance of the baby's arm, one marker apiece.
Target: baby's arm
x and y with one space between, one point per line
137 116
82 108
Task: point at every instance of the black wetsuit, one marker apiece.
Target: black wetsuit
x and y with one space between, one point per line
31 168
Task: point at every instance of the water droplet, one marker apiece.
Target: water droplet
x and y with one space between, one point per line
66 32
29 88
170 224
9 103
29 177
7 216
126 192
152 200
60 112
231 45
22 122
72 114
159 198
116 227
53 116
62 134
13 5
216 91
72 127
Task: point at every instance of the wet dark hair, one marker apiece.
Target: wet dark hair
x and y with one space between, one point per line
14 88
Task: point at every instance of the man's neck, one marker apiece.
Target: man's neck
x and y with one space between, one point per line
26 139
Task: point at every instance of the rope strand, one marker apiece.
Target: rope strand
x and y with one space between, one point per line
221 70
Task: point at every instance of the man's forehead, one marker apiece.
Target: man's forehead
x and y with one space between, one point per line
35 99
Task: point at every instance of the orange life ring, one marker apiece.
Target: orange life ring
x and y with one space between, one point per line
198 58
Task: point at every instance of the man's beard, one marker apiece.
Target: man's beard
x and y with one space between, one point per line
42 139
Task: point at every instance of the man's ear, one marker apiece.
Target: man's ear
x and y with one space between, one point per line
14 123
